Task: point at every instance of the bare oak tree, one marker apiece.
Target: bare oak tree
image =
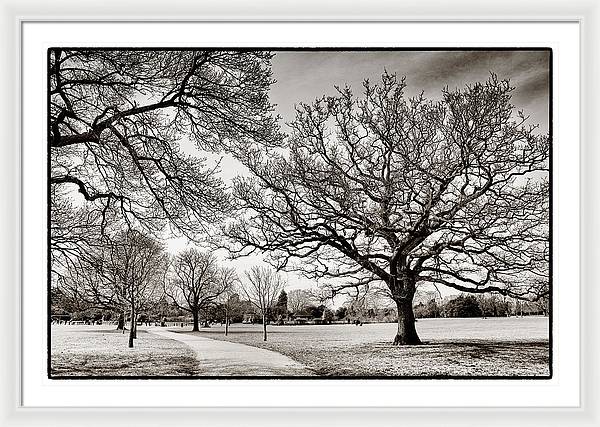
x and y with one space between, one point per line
262 288
196 282
402 191
118 120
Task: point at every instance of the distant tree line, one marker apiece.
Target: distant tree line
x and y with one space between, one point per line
480 306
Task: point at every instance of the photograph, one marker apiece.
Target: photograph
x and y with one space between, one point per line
299 213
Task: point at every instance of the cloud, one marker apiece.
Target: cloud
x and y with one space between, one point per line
303 76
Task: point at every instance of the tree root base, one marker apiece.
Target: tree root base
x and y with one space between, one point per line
401 340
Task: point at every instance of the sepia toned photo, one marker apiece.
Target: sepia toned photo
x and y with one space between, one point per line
299 213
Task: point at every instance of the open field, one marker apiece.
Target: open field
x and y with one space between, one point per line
453 347
100 350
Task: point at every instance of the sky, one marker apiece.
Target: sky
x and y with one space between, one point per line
303 76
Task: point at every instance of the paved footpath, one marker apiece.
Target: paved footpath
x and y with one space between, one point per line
223 358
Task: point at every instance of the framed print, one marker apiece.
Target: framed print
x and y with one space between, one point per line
344 219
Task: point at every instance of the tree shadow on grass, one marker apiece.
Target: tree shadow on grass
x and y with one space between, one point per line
455 358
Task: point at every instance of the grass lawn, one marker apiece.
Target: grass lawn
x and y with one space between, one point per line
454 347
80 350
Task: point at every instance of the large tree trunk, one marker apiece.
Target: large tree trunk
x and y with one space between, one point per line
195 317
132 328
407 333
226 322
264 327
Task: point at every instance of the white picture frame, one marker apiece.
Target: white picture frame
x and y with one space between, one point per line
15 14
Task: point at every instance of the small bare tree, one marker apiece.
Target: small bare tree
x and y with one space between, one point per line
262 288
122 273
229 298
196 282
298 299
137 263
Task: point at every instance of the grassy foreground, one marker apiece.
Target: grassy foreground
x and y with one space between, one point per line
467 349
454 347
102 351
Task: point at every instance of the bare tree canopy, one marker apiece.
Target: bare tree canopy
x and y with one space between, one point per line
403 191
118 120
72 232
197 281
298 299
